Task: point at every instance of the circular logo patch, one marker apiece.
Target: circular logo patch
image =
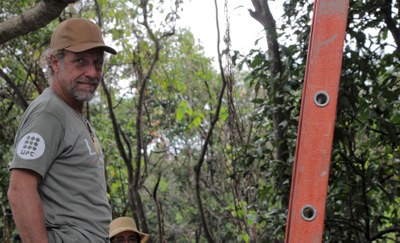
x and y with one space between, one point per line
31 146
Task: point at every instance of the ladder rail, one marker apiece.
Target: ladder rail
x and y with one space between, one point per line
310 175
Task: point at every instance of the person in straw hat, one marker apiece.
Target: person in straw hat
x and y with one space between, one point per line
123 229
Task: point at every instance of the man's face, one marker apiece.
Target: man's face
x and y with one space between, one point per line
79 74
126 236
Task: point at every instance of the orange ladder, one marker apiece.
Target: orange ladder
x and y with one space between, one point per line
309 187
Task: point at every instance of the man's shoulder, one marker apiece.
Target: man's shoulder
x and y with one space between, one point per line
48 102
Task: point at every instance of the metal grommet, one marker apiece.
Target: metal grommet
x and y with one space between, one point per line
321 98
308 213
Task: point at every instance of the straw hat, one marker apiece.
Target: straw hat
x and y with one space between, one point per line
122 224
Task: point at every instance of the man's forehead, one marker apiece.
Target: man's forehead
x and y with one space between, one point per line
127 233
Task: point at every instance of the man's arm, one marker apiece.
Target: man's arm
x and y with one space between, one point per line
26 205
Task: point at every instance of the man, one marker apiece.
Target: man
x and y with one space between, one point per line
123 229
57 188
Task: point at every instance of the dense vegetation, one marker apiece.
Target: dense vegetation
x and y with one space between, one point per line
197 154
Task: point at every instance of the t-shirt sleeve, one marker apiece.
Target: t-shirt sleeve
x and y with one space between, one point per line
37 143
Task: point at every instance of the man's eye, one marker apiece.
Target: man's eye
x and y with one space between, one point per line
80 60
100 63
118 240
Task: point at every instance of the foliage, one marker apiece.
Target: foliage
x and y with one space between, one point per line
244 187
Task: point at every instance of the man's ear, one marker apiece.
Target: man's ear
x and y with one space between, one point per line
55 63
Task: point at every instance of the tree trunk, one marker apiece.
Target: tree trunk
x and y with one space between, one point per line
264 16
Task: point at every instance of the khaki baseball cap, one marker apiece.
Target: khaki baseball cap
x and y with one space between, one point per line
78 35
122 224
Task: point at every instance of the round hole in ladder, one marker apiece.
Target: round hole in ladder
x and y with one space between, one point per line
321 98
308 213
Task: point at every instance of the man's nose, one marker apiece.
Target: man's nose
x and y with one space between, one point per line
92 70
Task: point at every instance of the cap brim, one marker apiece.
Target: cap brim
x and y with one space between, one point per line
88 46
144 236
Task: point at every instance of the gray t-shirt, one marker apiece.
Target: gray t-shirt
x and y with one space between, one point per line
57 143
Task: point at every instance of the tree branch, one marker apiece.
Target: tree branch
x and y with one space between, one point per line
384 232
197 167
32 19
391 23
159 210
20 99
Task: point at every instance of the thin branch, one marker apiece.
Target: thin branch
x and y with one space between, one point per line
384 232
197 167
159 212
141 147
116 130
20 97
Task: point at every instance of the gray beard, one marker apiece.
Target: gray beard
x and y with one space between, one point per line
82 96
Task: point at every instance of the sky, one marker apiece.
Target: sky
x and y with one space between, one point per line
199 17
